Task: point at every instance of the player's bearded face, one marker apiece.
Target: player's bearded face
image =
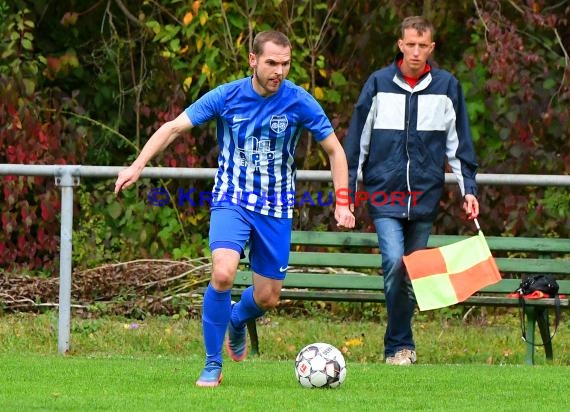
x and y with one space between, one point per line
270 68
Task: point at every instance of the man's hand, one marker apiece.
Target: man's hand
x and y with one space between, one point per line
471 206
126 178
344 217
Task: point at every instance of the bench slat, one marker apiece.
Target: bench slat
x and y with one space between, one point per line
335 259
370 240
370 282
549 266
510 244
379 298
373 261
320 280
333 239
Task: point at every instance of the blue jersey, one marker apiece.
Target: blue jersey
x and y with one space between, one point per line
257 137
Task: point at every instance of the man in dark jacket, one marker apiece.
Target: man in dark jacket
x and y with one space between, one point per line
410 118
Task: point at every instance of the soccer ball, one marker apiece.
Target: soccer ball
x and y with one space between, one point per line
320 365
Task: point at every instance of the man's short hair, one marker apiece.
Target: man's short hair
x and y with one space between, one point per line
419 23
269 36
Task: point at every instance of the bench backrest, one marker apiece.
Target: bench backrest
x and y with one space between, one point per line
516 257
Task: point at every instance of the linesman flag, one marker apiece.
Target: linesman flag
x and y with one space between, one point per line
450 274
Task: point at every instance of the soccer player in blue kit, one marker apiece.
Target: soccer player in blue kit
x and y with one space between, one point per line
259 123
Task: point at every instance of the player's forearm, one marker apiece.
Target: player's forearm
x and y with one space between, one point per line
339 170
156 144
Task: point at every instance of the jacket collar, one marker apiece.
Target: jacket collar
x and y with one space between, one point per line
423 81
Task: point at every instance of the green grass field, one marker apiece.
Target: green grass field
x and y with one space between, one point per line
151 365
166 383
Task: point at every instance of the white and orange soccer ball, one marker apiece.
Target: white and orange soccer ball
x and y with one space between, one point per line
320 365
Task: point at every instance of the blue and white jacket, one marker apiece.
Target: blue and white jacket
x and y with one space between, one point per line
399 139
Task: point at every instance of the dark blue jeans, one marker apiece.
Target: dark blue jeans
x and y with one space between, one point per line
397 237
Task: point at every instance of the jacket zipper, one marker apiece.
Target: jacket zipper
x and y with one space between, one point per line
408 154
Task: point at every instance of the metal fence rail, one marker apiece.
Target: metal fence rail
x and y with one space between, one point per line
209 173
68 176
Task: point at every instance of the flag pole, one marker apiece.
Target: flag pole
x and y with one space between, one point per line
477 224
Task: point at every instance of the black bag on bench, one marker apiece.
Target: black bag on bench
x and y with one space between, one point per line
537 287
539 283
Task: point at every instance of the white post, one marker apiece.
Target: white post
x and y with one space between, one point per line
66 181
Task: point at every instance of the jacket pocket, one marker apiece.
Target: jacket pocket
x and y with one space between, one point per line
391 111
432 112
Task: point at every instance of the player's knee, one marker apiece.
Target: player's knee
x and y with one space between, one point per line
222 278
267 301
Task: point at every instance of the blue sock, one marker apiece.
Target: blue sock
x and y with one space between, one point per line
245 309
216 310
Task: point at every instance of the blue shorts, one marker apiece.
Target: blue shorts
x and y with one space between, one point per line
233 227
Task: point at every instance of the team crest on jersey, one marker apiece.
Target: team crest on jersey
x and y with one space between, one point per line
278 123
256 153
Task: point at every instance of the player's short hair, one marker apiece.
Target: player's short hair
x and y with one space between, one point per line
269 36
419 23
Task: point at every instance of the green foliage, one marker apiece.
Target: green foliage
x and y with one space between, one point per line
32 131
518 118
16 48
93 243
518 108
555 203
89 83
110 228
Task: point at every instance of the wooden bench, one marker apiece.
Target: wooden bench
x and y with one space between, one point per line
344 266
